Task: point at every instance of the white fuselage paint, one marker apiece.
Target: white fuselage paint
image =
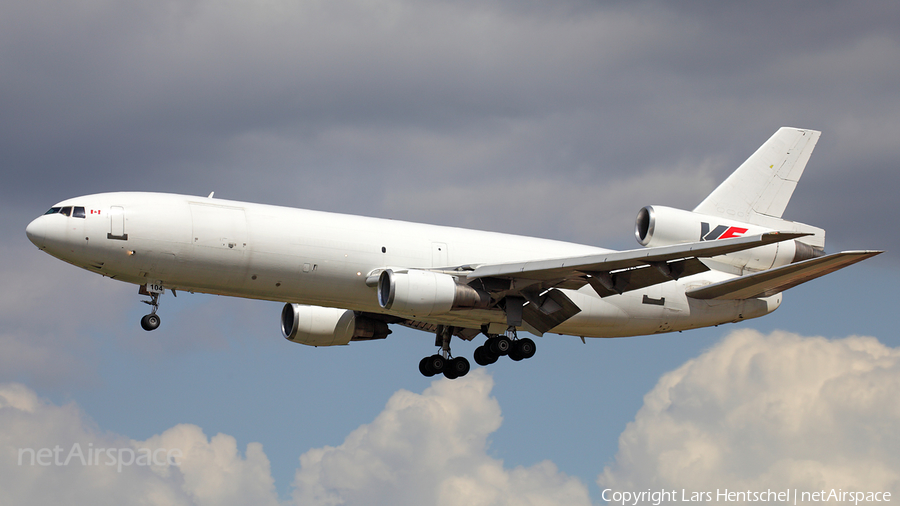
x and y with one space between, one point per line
292 255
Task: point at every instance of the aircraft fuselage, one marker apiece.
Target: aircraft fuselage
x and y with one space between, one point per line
292 255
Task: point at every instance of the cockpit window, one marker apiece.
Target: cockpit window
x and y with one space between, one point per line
75 212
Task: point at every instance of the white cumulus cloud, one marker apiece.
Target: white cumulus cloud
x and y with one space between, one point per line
77 468
429 448
776 411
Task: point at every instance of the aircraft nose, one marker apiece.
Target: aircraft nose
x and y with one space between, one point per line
37 231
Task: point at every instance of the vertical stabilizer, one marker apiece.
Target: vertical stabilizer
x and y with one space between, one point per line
763 184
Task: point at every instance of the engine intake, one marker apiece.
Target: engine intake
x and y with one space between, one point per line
424 293
328 326
664 226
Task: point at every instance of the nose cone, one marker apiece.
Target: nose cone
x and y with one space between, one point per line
37 231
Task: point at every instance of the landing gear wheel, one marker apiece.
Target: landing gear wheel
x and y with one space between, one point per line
150 322
456 368
499 345
424 367
429 366
522 349
484 357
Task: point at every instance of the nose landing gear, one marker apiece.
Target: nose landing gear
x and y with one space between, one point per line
151 321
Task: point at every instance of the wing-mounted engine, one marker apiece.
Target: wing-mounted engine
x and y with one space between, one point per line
663 226
328 326
424 293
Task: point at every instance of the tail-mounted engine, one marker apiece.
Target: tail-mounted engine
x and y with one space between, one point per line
663 226
424 293
328 326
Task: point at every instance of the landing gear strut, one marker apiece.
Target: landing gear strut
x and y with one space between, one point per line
151 321
442 362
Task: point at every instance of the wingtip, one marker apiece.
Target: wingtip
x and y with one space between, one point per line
779 236
867 252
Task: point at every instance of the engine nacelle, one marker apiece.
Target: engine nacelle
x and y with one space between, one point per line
664 226
328 326
424 293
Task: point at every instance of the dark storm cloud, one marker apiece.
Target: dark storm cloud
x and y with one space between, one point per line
345 106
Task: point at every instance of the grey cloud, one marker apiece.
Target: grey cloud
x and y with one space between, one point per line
334 106
44 339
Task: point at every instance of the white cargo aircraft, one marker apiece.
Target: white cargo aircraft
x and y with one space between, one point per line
346 278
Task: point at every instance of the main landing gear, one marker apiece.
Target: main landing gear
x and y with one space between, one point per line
151 321
442 362
495 347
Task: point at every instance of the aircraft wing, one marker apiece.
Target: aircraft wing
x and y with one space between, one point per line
528 290
770 282
621 271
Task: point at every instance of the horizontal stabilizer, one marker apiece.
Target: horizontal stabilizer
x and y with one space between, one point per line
770 282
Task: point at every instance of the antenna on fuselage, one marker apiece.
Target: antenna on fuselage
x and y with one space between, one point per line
211 194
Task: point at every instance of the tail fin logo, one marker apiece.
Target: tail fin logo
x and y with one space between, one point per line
720 232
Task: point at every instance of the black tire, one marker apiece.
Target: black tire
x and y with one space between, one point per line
499 345
488 355
425 367
525 348
437 364
458 367
150 322
481 357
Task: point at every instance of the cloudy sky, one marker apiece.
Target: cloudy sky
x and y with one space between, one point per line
553 119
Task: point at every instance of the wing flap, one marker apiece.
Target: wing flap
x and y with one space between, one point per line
549 310
770 282
606 283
